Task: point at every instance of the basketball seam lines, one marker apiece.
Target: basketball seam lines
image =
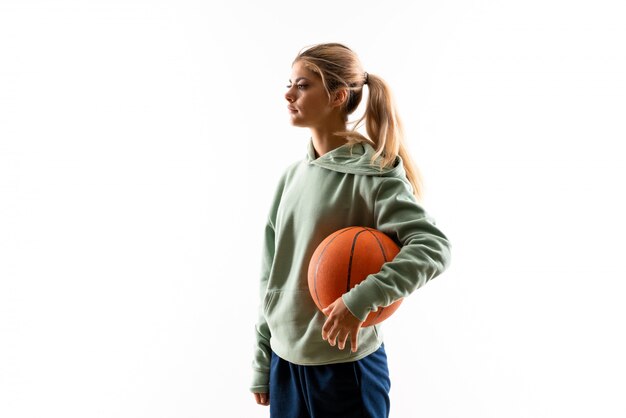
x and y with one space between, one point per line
318 264
380 310
351 257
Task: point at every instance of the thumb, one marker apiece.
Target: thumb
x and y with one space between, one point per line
327 310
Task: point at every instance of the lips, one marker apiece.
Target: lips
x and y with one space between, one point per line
292 109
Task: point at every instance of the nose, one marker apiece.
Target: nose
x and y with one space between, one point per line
289 95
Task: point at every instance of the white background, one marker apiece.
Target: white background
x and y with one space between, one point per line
140 143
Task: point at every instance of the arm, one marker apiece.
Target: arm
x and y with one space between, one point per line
262 349
424 253
262 352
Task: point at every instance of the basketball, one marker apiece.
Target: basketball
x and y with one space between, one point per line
343 260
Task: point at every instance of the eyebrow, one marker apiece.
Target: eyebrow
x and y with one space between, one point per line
299 78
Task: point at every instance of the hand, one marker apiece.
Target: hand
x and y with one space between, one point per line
262 398
340 324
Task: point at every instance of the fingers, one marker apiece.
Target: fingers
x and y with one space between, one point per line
339 325
330 336
262 398
327 327
336 335
330 331
328 310
354 339
341 337
342 340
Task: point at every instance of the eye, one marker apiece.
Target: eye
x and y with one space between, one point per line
299 86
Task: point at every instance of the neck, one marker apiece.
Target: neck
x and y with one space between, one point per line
324 138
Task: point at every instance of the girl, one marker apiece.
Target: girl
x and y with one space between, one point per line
302 367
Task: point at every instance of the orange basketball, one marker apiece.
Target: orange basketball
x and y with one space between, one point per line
344 259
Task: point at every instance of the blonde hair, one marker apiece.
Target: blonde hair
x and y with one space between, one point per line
340 68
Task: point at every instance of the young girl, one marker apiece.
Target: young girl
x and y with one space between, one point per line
302 365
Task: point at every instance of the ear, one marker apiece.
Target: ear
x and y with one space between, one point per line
339 97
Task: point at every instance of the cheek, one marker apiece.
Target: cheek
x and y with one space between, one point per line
317 104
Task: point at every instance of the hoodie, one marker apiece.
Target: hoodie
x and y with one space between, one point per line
314 198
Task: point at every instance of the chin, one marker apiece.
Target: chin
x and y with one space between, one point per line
298 123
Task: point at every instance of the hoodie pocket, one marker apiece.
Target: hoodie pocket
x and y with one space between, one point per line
292 311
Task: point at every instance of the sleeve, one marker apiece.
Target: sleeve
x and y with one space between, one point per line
424 252
262 350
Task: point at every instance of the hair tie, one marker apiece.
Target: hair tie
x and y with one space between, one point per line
365 75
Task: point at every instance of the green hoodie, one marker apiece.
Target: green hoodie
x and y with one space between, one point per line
316 197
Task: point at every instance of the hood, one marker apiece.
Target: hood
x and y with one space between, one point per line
354 159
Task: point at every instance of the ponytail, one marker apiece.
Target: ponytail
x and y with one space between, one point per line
385 131
384 126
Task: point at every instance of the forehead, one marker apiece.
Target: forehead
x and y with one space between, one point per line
300 70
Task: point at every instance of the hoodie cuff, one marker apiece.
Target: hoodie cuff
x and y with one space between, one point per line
359 299
260 381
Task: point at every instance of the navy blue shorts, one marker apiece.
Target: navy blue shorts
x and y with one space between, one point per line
342 390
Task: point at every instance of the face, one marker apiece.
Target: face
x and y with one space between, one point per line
308 103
